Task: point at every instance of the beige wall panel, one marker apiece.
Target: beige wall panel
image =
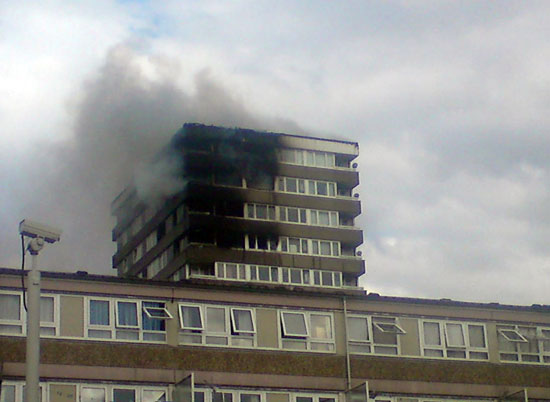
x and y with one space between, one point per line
340 333
492 341
267 327
410 342
72 316
271 397
62 393
173 325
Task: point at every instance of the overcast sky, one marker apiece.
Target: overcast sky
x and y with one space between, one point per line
448 100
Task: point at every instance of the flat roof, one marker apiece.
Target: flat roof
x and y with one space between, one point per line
348 293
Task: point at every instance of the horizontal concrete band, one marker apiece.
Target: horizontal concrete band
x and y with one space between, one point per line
327 366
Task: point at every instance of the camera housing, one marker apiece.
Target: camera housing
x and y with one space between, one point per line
35 229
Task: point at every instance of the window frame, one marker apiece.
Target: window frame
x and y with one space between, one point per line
114 327
542 356
167 315
98 327
309 339
306 185
233 320
12 322
251 274
117 314
21 322
201 316
373 346
444 346
234 339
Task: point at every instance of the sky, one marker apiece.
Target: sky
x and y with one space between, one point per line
448 101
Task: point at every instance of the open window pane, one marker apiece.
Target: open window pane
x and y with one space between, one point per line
127 314
99 312
242 321
191 317
294 324
153 396
389 328
512 335
159 313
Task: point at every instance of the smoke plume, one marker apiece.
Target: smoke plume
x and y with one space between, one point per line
124 114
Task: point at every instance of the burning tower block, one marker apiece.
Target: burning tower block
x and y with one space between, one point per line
239 205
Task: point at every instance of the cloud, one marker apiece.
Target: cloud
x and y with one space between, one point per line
448 102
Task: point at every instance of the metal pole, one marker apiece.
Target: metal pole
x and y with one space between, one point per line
33 333
346 329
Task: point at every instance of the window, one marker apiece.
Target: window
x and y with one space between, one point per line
13 314
523 343
260 211
263 273
151 241
124 395
8 392
376 335
125 319
304 330
310 246
307 158
456 340
292 215
256 242
217 325
121 393
309 187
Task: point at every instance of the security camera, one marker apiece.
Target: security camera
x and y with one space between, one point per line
34 229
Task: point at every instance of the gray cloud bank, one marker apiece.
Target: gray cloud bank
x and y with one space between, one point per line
448 100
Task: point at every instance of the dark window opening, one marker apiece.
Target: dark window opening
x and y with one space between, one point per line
202 269
201 236
230 240
261 181
342 161
199 205
344 191
161 231
228 177
230 208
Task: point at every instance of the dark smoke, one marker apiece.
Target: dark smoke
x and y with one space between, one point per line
121 119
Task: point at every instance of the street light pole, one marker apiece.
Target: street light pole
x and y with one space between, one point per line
33 324
39 235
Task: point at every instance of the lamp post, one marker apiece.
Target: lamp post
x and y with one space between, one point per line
39 234
33 324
